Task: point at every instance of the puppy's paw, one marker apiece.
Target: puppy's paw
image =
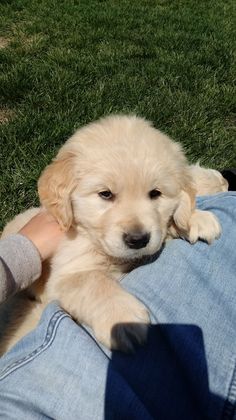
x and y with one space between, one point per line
203 225
122 323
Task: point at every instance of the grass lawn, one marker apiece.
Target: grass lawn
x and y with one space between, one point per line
65 63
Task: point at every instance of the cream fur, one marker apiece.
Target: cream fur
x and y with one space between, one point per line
207 181
130 158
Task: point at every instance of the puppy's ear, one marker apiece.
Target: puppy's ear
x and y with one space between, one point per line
184 210
55 186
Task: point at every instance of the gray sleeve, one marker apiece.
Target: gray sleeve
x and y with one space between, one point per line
20 264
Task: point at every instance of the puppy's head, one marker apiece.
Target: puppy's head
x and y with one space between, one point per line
121 180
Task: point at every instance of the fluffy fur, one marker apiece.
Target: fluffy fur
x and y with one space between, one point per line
126 156
207 181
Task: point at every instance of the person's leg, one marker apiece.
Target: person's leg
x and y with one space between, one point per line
185 371
230 176
190 290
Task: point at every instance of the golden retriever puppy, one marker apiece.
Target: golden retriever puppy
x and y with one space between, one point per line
117 187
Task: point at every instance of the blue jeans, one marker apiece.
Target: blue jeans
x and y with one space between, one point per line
187 369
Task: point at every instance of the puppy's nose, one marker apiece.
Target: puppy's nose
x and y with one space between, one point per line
136 239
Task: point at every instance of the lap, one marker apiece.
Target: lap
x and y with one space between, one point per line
190 291
186 370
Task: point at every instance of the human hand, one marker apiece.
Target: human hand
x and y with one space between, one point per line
45 233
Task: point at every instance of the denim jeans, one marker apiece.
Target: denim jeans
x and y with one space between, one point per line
187 369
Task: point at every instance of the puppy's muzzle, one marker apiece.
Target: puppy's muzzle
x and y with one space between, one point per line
136 240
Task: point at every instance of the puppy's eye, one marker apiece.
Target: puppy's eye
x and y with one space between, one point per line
106 195
153 194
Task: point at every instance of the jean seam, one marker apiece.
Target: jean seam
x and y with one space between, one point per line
230 403
48 340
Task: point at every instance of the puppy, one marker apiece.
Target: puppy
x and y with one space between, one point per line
117 187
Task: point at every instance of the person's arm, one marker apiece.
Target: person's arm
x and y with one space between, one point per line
21 255
20 264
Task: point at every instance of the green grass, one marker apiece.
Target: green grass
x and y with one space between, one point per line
71 61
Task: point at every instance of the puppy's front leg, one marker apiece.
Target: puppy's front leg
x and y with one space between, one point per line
117 318
192 223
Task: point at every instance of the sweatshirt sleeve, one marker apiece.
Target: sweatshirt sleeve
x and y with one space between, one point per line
20 264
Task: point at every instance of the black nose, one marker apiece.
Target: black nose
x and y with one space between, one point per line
136 240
